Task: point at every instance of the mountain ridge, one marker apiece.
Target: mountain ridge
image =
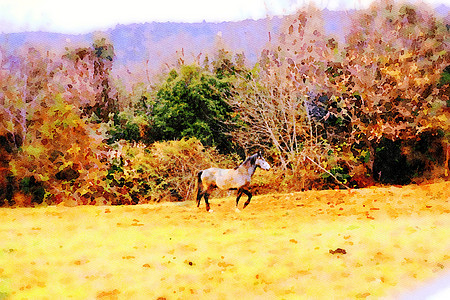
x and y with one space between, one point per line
157 43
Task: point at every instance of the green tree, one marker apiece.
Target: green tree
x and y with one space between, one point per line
191 103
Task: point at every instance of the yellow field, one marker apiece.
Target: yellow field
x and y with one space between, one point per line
383 242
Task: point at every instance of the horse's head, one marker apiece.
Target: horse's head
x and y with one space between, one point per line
261 162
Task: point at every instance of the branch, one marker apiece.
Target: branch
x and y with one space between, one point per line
326 171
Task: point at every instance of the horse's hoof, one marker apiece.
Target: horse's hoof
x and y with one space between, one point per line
210 211
237 210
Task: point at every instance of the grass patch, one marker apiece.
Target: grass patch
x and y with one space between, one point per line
278 247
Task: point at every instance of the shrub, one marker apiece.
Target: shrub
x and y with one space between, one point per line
164 171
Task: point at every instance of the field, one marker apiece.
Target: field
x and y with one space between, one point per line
367 243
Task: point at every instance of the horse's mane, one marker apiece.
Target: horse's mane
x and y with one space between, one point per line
249 160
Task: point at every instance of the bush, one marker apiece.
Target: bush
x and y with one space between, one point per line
164 171
129 128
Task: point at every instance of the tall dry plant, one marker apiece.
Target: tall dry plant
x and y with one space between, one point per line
385 83
272 100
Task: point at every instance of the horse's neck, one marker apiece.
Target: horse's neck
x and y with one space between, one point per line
247 168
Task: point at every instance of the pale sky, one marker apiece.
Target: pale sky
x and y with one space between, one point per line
82 16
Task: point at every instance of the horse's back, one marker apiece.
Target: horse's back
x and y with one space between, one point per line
223 178
208 176
212 174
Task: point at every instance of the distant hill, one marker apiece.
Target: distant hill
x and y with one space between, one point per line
158 43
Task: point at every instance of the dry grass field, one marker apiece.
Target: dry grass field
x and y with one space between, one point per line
370 243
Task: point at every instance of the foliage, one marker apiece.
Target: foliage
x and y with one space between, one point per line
55 148
394 59
163 171
273 101
225 67
191 103
314 97
129 127
389 79
92 67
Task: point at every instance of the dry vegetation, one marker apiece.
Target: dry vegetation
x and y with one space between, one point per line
367 243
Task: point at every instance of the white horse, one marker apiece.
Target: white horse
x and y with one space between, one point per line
230 179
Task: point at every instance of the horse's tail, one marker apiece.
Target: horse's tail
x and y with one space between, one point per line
199 186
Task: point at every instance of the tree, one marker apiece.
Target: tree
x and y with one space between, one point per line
388 80
273 101
395 57
332 105
191 103
91 83
56 151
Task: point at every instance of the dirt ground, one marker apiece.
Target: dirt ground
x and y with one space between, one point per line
367 243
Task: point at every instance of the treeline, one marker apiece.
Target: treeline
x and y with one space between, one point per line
376 109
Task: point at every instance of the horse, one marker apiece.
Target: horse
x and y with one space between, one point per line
230 179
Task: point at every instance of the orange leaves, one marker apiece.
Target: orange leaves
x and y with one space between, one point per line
383 83
108 294
42 105
338 251
136 223
398 63
81 262
58 140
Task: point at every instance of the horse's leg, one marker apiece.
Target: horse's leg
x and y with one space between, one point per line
199 188
199 197
249 195
239 194
206 196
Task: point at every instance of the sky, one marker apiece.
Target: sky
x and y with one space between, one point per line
83 16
